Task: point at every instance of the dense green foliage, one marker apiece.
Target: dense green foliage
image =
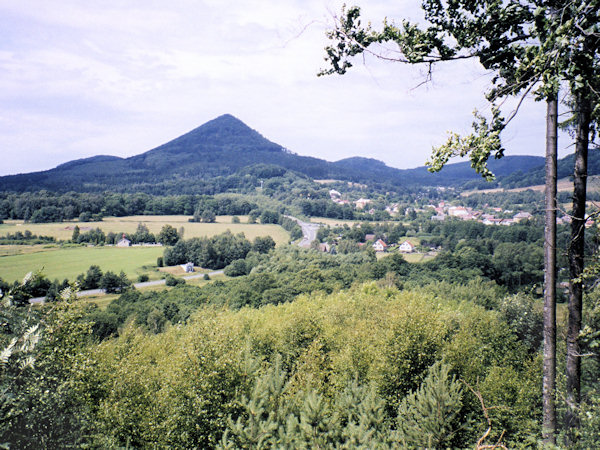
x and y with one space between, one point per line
321 362
300 351
511 256
212 253
71 205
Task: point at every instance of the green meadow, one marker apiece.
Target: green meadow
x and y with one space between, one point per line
68 262
60 263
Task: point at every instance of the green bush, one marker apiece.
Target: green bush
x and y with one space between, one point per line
170 280
236 268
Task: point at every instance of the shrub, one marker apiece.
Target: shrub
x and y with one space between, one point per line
170 280
236 268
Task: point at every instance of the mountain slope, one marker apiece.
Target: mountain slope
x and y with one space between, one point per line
219 155
536 176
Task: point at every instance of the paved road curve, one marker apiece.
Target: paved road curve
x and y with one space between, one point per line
309 231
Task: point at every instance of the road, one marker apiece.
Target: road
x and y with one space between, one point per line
136 285
309 231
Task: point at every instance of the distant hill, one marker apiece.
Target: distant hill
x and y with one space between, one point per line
536 176
224 153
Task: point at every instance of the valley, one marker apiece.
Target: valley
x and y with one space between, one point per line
358 288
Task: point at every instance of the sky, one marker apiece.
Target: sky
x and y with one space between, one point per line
122 77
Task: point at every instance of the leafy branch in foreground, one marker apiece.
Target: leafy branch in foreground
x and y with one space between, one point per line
483 142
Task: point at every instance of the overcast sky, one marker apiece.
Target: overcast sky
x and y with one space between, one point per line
82 78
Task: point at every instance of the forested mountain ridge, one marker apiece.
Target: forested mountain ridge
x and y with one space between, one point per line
223 154
536 175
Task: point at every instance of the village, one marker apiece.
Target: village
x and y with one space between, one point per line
443 211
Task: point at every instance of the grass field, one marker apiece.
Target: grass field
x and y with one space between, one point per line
333 222
409 257
57 262
64 230
417 257
63 263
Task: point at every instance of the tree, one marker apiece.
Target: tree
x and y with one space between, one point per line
176 254
93 278
114 284
269 217
85 216
168 235
581 69
208 216
41 373
34 284
417 426
237 268
549 318
263 244
75 235
142 234
528 45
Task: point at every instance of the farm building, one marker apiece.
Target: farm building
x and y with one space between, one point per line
379 245
406 247
124 242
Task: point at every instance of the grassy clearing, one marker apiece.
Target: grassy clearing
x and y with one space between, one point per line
102 300
177 271
334 222
201 282
417 257
64 230
409 257
415 241
63 263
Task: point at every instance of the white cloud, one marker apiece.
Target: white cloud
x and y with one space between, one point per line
122 77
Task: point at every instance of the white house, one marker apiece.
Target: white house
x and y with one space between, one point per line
406 247
379 245
124 242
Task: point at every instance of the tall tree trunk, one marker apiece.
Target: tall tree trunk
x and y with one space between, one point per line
576 253
549 378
